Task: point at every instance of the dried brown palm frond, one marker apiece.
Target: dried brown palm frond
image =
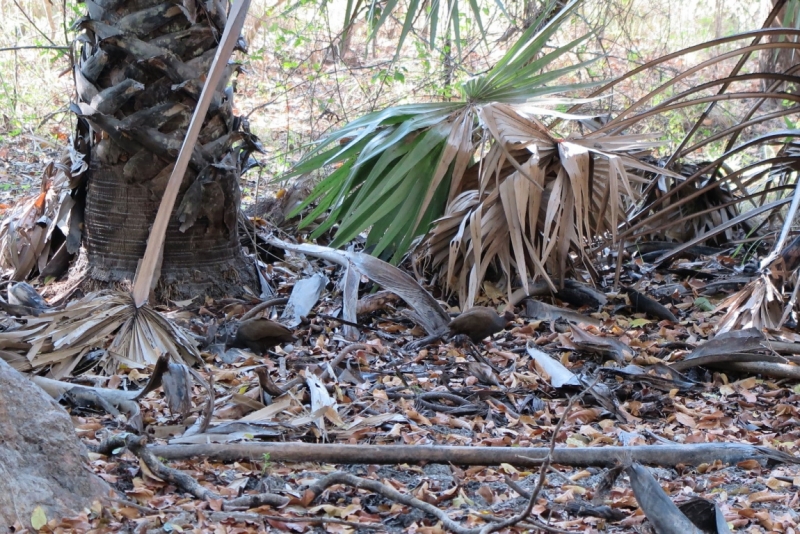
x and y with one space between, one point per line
758 305
721 205
533 199
22 238
31 234
738 185
134 337
702 207
694 207
740 191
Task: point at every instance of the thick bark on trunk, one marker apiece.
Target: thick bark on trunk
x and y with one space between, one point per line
140 71
205 258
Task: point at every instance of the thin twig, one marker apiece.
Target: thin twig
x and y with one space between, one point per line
188 484
33 47
144 509
431 396
202 422
340 477
252 517
476 353
336 361
562 476
494 527
343 321
516 487
32 23
534 524
243 516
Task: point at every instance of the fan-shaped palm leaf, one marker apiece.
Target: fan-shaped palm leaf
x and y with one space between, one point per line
400 166
704 203
533 199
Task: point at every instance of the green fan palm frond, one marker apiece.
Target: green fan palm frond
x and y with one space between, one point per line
398 168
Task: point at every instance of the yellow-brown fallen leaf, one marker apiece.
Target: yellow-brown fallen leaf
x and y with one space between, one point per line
765 496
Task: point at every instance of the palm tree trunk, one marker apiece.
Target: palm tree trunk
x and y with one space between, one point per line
140 71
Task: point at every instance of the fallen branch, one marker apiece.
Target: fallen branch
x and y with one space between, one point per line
375 486
662 455
770 369
340 477
188 484
108 445
102 397
112 400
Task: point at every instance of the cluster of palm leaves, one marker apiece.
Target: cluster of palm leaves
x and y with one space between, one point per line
487 183
484 177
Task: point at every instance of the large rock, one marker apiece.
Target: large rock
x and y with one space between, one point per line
42 463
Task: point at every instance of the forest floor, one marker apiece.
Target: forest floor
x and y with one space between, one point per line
384 392
387 394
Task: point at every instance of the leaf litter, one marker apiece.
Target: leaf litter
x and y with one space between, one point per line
645 380
386 393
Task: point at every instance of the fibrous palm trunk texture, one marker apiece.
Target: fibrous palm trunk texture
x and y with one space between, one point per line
140 71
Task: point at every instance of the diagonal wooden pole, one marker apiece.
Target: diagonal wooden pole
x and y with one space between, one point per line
145 274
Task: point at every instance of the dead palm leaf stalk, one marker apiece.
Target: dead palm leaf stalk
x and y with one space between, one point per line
142 334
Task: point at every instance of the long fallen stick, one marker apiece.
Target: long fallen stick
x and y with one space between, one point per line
662 455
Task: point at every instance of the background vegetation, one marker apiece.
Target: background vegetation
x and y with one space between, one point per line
303 79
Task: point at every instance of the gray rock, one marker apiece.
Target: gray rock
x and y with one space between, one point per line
42 463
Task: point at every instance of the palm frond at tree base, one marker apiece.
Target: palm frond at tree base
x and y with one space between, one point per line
132 337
